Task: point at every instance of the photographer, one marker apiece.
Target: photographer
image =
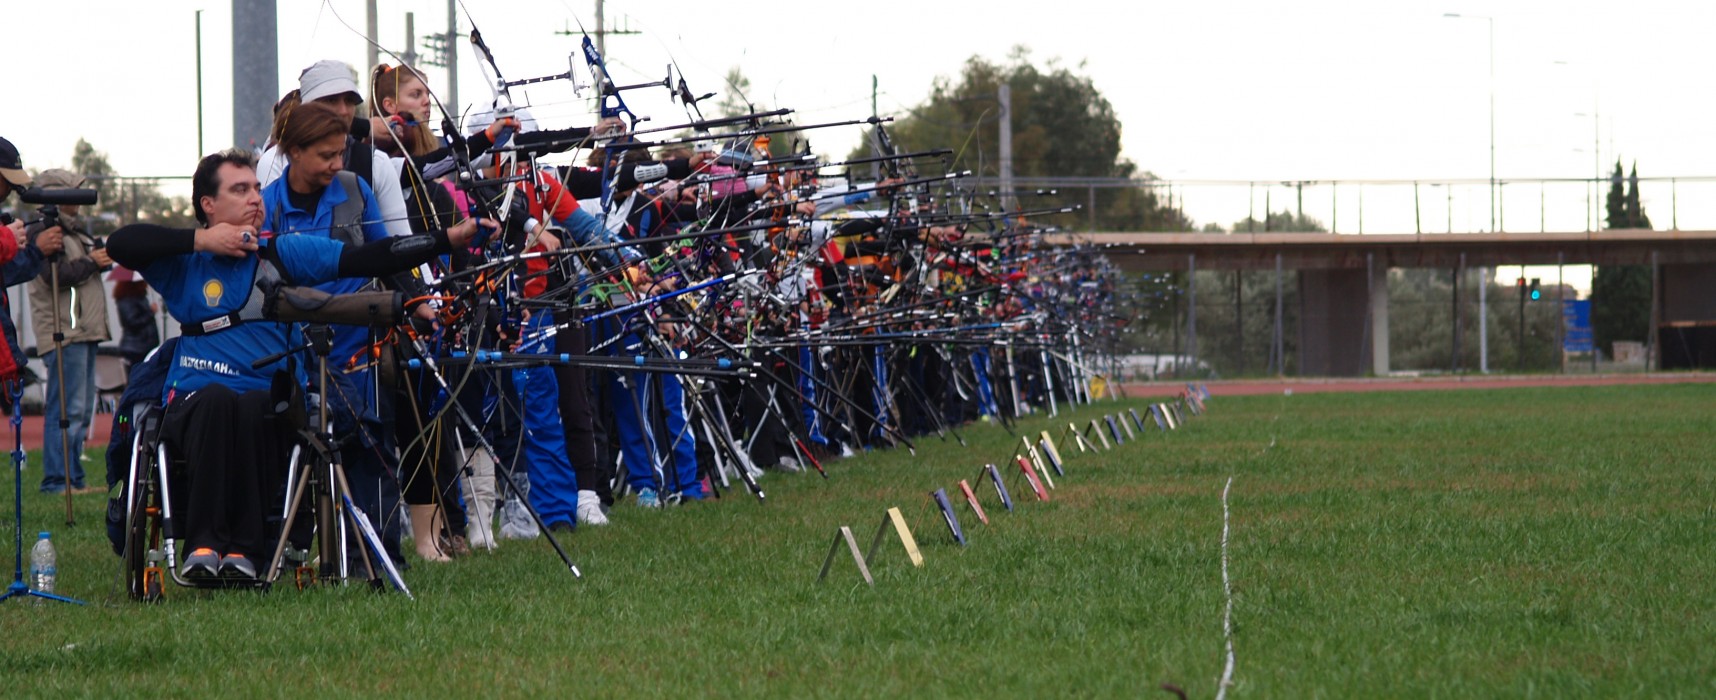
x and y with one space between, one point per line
78 308
31 251
220 414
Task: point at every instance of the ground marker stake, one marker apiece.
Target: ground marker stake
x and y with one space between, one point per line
971 500
845 533
939 496
899 522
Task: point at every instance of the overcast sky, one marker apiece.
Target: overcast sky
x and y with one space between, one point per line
1269 92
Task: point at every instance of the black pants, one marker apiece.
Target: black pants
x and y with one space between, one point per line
576 417
236 453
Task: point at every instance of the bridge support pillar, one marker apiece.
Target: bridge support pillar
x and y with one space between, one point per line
1335 306
1378 299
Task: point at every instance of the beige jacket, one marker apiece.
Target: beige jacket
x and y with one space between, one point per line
80 281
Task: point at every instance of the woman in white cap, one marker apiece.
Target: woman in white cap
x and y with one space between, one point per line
334 84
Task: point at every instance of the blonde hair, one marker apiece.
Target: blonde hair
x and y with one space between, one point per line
384 83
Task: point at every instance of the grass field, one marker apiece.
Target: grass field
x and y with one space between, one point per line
1526 543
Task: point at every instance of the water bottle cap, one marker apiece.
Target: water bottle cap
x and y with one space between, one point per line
42 535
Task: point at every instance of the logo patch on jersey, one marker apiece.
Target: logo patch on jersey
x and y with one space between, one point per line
212 290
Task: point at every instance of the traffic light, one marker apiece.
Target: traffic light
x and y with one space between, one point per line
1536 293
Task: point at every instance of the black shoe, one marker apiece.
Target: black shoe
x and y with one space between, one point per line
560 528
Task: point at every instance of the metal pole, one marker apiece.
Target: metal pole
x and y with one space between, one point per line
371 52
1004 94
1484 320
1092 207
410 55
1192 307
1454 364
1417 219
1238 325
1519 362
1280 357
1560 304
1674 203
875 146
452 58
1494 194
601 32
199 84
1653 359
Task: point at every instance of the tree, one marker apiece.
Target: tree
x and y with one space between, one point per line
1620 294
121 201
1280 222
1062 127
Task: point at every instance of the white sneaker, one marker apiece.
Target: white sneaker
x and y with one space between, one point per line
846 451
589 509
790 465
516 523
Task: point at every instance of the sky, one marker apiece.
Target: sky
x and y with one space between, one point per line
1226 99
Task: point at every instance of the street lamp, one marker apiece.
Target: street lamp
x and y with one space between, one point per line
1594 216
1492 29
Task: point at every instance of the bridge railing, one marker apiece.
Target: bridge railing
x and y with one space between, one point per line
1447 205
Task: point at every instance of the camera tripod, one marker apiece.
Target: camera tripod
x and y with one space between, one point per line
338 522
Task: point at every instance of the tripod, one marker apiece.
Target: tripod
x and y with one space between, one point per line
67 459
21 588
324 475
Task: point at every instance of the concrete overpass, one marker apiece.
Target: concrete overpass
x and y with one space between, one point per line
1343 281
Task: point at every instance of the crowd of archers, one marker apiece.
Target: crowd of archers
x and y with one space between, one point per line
592 314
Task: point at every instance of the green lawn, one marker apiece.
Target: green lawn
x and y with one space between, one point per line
1546 542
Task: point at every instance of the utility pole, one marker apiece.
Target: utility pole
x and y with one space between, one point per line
410 55
443 53
255 71
1004 95
602 31
876 167
373 31
452 57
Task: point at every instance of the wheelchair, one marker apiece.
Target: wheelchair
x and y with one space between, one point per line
313 501
151 496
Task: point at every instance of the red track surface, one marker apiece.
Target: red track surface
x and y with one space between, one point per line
1326 385
100 426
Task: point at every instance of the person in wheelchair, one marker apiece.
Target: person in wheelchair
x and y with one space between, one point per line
234 291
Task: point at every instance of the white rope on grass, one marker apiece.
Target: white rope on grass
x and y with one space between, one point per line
1227 589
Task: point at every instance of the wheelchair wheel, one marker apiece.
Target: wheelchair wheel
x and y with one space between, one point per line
143 579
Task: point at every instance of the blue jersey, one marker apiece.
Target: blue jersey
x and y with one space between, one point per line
203 286
286 220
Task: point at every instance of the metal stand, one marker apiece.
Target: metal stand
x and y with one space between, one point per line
325 477
21 588
66 458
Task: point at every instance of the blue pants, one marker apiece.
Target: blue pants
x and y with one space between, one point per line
553 485
641 438
80 398
637 398
985 391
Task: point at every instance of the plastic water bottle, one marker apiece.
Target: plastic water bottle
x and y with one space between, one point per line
43 567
